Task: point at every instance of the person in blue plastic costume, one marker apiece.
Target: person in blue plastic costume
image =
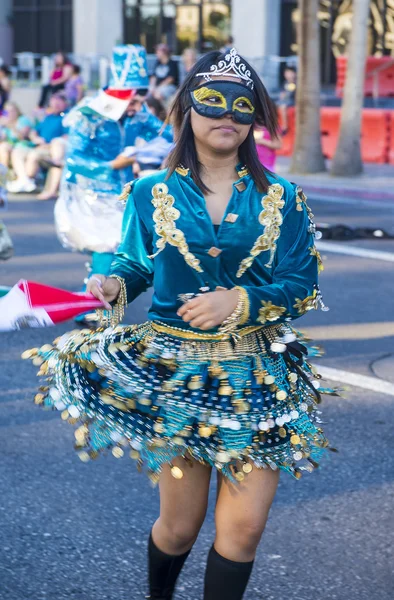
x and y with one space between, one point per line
217 379
87 215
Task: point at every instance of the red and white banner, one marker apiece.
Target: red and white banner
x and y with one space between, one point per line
30 304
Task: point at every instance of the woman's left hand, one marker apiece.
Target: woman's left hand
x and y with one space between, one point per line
209 310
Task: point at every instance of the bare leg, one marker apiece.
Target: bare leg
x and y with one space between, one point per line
5 153
18 161
242 512
33 160
52 184
183 505
57 150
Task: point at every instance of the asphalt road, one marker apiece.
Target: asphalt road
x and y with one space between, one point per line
74 531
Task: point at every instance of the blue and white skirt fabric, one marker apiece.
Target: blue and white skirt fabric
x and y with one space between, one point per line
157 392
88 217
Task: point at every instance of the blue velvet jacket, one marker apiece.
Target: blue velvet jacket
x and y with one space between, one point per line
265 244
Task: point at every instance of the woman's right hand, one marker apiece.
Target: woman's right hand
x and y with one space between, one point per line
104 288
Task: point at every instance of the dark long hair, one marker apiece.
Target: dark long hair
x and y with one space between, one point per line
184 152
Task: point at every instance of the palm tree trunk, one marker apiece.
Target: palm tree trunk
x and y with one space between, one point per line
347 159
308 155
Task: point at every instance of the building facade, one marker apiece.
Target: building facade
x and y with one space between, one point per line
260 28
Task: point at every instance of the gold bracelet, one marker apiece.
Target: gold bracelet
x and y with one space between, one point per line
240 314
110 318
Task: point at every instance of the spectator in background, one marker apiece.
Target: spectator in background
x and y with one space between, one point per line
227 45
73 88
165 78
48 145
189 59
156 108
5 86
60 75
287 96
267 147
14 132
149 155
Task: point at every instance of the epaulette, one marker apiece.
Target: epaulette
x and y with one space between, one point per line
126 191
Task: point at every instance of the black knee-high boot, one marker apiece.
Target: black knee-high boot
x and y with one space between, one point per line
163 571
225 579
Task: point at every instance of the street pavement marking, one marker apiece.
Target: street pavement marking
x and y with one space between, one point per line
17 391
362 381
355 251
350 331
387 204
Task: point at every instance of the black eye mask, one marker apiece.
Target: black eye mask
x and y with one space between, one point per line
214 99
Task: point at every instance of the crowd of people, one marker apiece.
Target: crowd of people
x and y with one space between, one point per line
33 148
36 143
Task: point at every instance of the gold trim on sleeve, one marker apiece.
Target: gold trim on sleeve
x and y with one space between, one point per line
313 251
246 305
240 314
301 200
271 218
111 318
164 217
309 303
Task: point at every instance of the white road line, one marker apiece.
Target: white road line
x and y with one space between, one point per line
355 251
313 198
362 381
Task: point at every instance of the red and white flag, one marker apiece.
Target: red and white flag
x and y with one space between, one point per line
30 304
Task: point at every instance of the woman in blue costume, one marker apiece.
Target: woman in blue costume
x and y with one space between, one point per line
216 379
88 216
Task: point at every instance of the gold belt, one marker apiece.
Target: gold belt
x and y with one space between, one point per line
212 337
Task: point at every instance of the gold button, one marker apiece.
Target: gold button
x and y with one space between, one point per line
214 252
241 187
231 218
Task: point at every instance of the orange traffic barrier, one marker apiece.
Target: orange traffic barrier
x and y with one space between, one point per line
330 118
379 76
391 138
288 139
377 134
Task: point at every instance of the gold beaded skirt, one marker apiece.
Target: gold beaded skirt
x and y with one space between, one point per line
158 392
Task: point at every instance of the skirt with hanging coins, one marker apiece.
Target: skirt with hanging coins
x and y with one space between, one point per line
157 392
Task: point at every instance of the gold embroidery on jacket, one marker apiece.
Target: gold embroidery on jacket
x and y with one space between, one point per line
301 200
315 252
242 172
270 312
164 216
309 303
271 218
181 170
125 192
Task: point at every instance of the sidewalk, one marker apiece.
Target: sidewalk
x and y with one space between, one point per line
375 183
